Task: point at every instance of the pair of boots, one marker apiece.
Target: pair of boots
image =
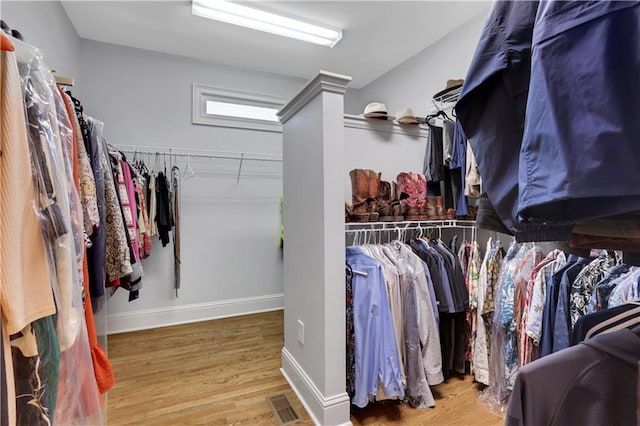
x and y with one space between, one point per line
365 187
435 208
416 204
389 202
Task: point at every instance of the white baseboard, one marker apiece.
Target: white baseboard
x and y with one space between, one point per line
174 315
324 411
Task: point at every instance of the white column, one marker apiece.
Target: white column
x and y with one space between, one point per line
314 249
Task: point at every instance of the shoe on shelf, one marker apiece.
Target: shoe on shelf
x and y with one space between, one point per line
374 190
451 214
430 208
359 195
440 212
385 206
408 185
396 204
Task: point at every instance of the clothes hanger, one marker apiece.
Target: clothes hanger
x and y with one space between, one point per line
188 172
439 113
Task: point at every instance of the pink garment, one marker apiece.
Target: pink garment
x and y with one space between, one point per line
144 227
128 182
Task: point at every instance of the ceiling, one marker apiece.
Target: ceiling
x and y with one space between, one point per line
377 35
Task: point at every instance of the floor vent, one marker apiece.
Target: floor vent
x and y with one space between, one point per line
282 409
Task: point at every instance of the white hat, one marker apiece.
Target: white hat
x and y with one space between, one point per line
377 110
406 116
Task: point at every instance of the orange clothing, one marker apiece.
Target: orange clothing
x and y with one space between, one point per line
101 364
5 43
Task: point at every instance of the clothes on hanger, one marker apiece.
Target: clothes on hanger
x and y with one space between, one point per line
509 105
175 202
163 213
590 383
374 334
427 299
80 210
51 358
610 319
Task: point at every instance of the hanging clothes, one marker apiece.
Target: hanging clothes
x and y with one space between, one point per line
175 179
605 321
144 238
511 301
433 168
163 213
584 284
96 254
88 191
51 358
586 384
153 205
118 257
527 347
350 335
458 170
541 282
413 314
26 288
26 299
374 335
483 285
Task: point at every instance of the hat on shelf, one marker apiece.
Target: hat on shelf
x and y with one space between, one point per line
451 85
406 116
377 110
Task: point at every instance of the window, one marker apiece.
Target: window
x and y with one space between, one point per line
214 106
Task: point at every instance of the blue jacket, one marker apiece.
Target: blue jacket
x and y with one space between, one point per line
549 105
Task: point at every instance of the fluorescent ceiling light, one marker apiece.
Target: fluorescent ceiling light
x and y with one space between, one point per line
261 20
243 111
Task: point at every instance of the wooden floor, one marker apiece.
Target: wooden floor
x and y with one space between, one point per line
219 373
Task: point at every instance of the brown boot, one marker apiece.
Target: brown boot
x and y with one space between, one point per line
422 197
473 210
374 190
396 206
430 208
385 209
440 213
422 211
359 195
451 214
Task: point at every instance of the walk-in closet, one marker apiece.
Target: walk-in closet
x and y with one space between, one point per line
309 212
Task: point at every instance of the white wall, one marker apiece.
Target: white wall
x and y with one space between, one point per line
45 24
382 146
229 247
414 82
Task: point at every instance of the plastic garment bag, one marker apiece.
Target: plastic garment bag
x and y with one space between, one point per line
71 382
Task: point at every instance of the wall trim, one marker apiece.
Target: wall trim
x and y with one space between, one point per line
325 81
323 410
360 122
184 314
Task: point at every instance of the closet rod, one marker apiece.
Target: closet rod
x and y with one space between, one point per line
390 226
199 153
